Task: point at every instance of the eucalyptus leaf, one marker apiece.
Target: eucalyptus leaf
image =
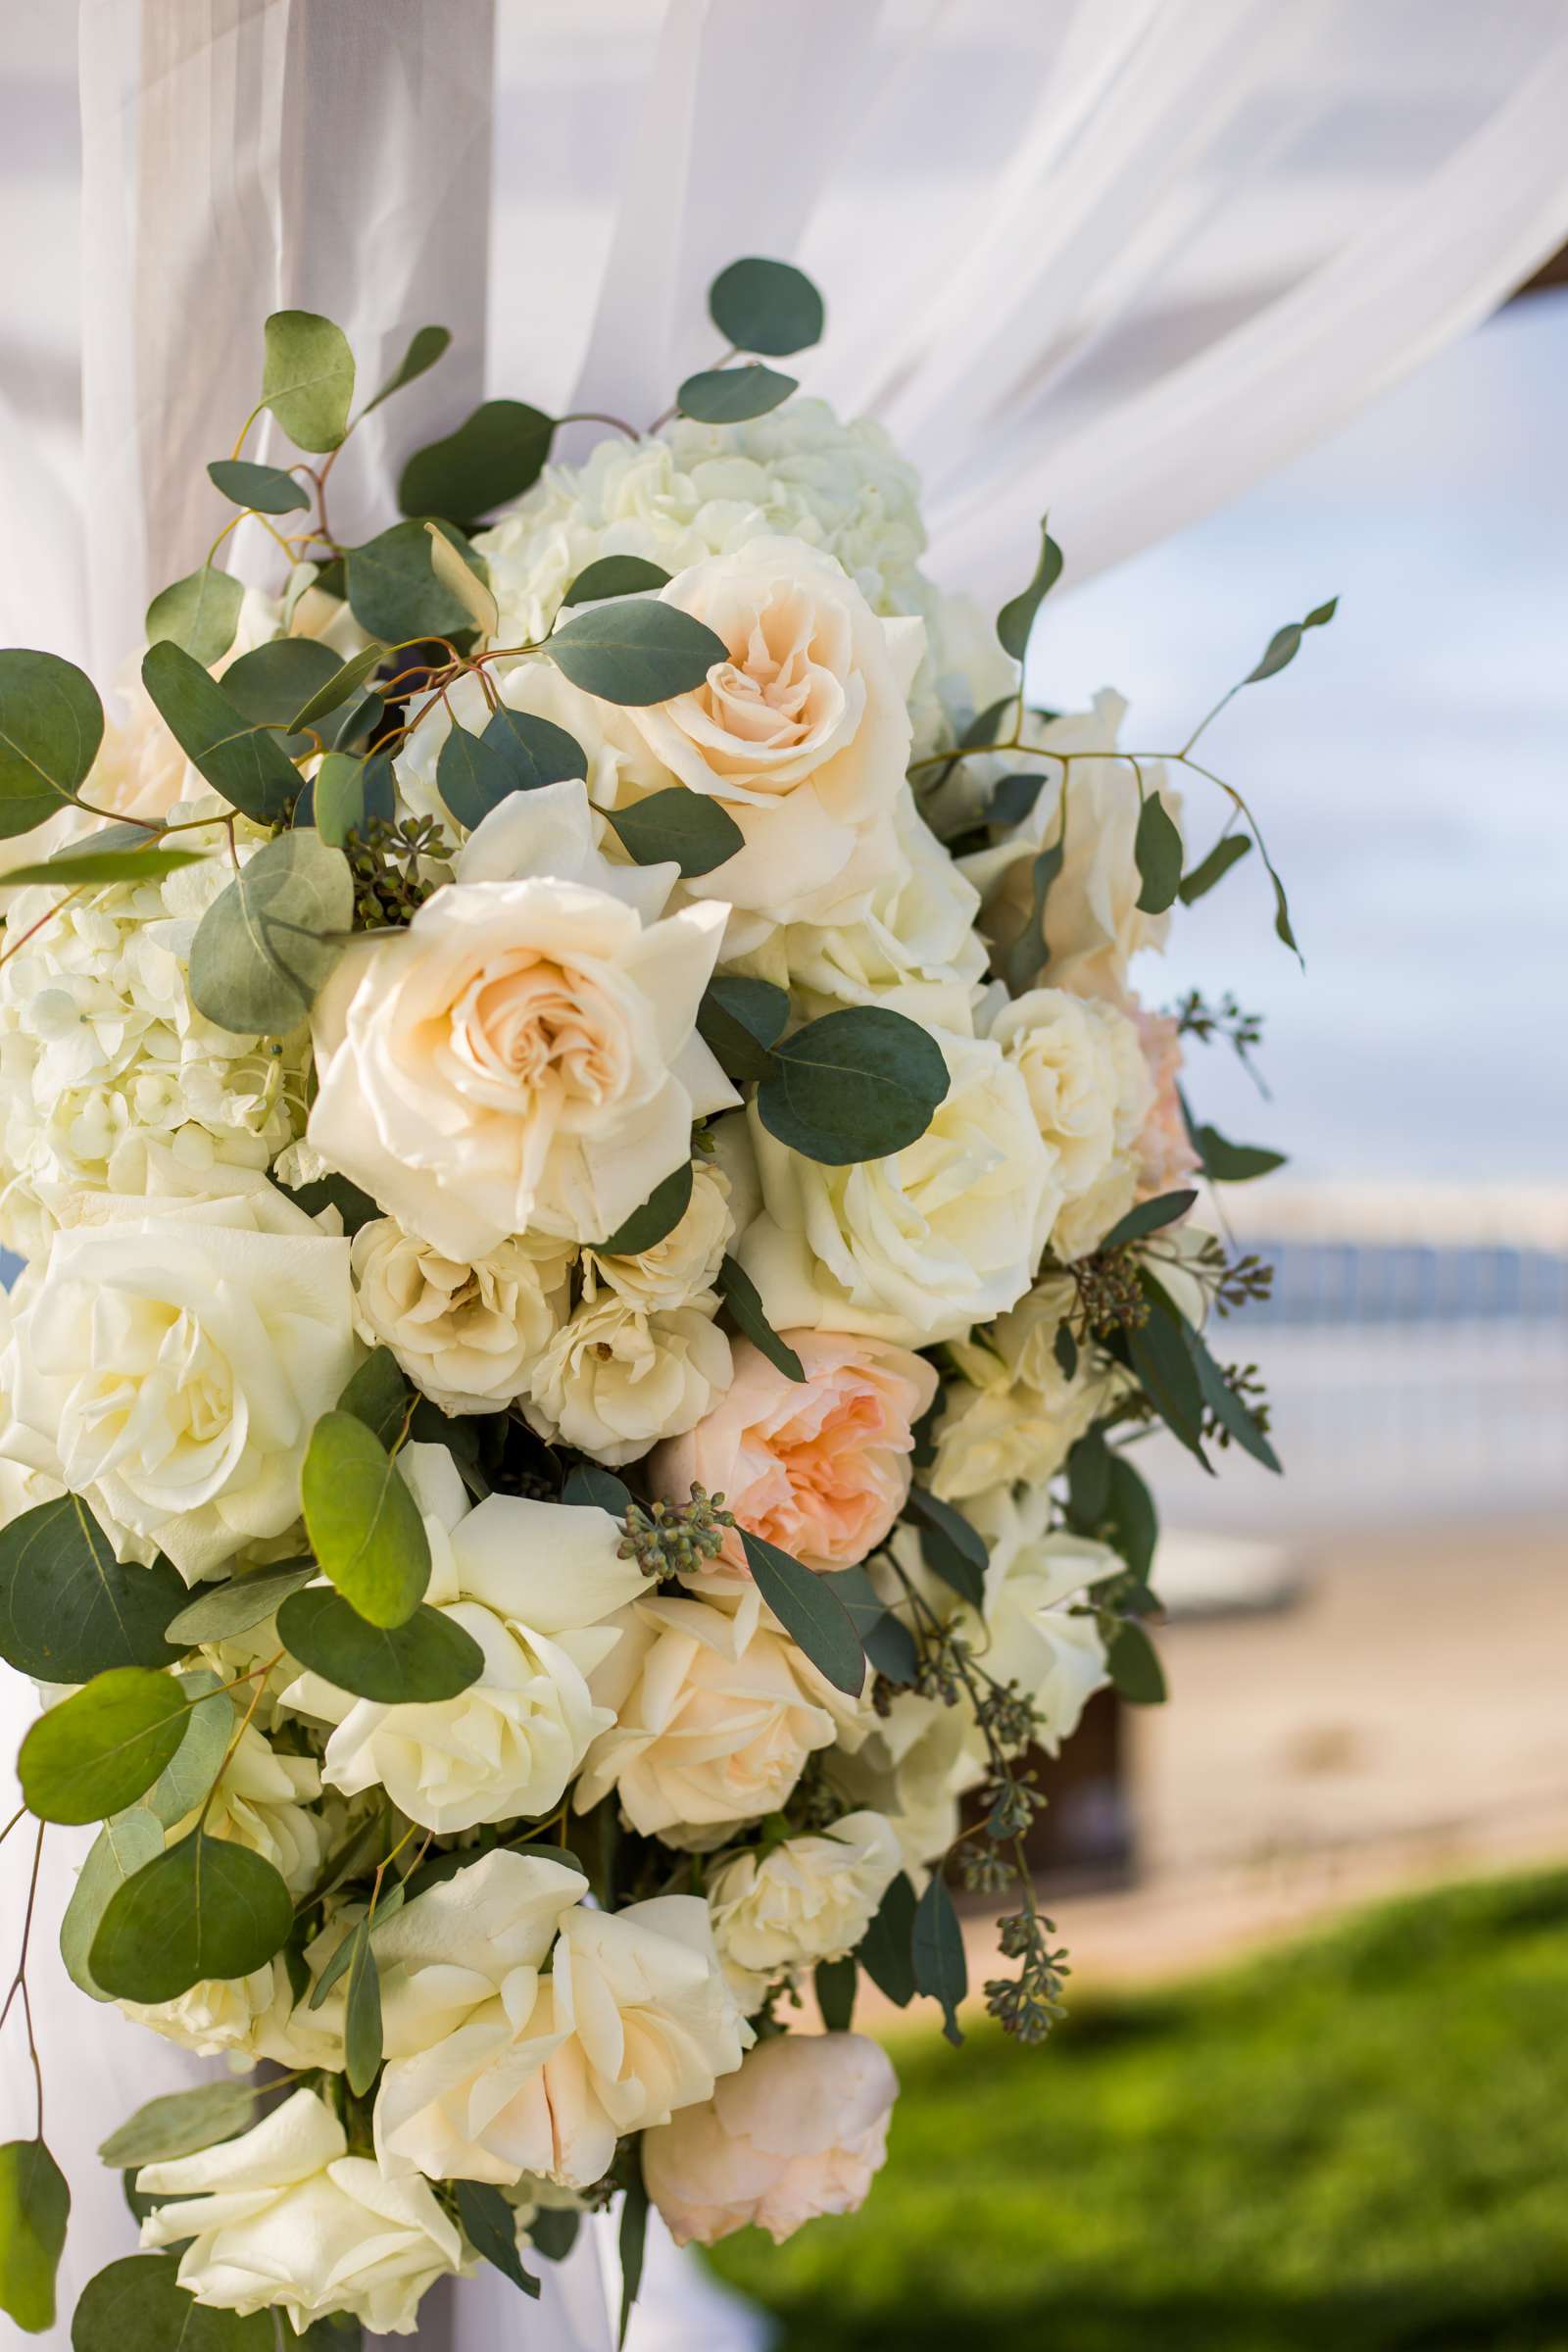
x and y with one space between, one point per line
1064 1348
886 1639
494 456
886 1948
730 395
427 345
179 2122
260 489
205 1907
69 1609
740 1021
614 575
553 2231
199 612
1228 1409
635 651
308 378
345 680
87 867
1133 1664
810 1613
859 1084
184 1781
265 948
1013 797
95 1752
472 777
767 306
1221 1159
535 749
268 685
221 1612
1285 644
138 2305
1214 868
1159 1357
332 1190
948 1546
393 590
631 2242
1149 1216
51 724
249 767
34 2207
361 2014
1016 618
590 1483
936 1949
121 1847
427 1658
490 2223
1157 853
1087 1482
677 824
364 1524
658 1215
378 1396
1134 1522
834 1983
337 799
460 578
744 1300
1029 954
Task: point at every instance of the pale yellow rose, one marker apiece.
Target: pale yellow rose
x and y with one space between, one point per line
468 1336
804 1900
615 1380
1014 1413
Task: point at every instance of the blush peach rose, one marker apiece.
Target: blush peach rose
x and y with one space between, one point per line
820 1467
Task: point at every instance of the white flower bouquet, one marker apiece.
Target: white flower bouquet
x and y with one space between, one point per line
601 1221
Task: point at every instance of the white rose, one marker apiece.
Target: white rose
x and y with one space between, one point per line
251 2017
532 1583
1013 1413
283 2216
468 1336
676 1271
1032 1638
809 1898
614 1380
918 1247
1089 1086
800 2130
524 1056
715 1714
913 1768
171 1362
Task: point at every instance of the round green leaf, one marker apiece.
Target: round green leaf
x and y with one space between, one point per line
658 1215
614 575
268 685
69 1609
635 651
535 750
138 2305
343 682
34 2206
180 2122
184 1781
207 1907
1133 1664
855 1084
494 456
427 1658
221 1612
262 950
308 377
767 306
121 1847
393 590
199 613
71 870
679 825
51 724
936 1947
427 345
1157 851
742 1019
1017 616
364 1524
729 395
250 769
96 1752
262 489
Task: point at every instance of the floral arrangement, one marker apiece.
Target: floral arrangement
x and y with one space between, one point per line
603 1222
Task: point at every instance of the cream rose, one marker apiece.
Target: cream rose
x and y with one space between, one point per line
913 1768
918 1247
614 1380
468 1336
169 1362
283 2216
819 1467
807 1899
524 1056
1013 1413
800 2130
1034 1575
252 2017
678 1270
1091 1091
533 1583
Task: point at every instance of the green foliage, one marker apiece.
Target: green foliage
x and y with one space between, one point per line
249 767
121 1847
936 1951
308 378
765 306
632 2239
268 685
182 1785
362 2013
34 2206
590 1483
494 456
948 1546
364 1524
1232 1164
221 1612
138 2305
427 345
95 1752
810 1611
635 651
199 612
337 805
1285 644
658 1215
181 2121
1016 618
261 489
740 1021
343 681
490 2223
1157 849
51 724
205 1907
730 395
1133 1664
744 1300
264 949
1133 1523
886 1639
1028 956
1148 1216
855 1084
378 1396
614 575
1226 853
69 1609
887 1948
834 1983
426 1658
515 753
393 590
685 827
70 869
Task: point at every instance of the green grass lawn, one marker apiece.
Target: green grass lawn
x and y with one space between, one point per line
1357 2145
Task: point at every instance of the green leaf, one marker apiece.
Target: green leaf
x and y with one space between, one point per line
741 1295
74 870
94 1753
1030 952
343 681
885 1639
658 1215
490 2223
1015 798
494 456
393 590
427 345
1017 616
427 1658
1226 1407
121 1847
859 1084
1163 1362
535 750
222 1611
632 2242
472 777
553 2231
199 613
69 1609
1214 868
1157 851
337 799
1134 1522
1148 1216
678 824
614 575
730 395
1226 1163
51 724
810 1613
348 1951
362 2016
308 378
590 1483
1087 1482
34 2206
205 1907
1064 1348
378 1396
356 1209
886 1951
182 1785
948 1546
138 2305
740 1021
261 489
1133 1664
180 2122
268 685
835 1982
936 1950
364 1525
249 767
262 950
1285 644
635 651
765 306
